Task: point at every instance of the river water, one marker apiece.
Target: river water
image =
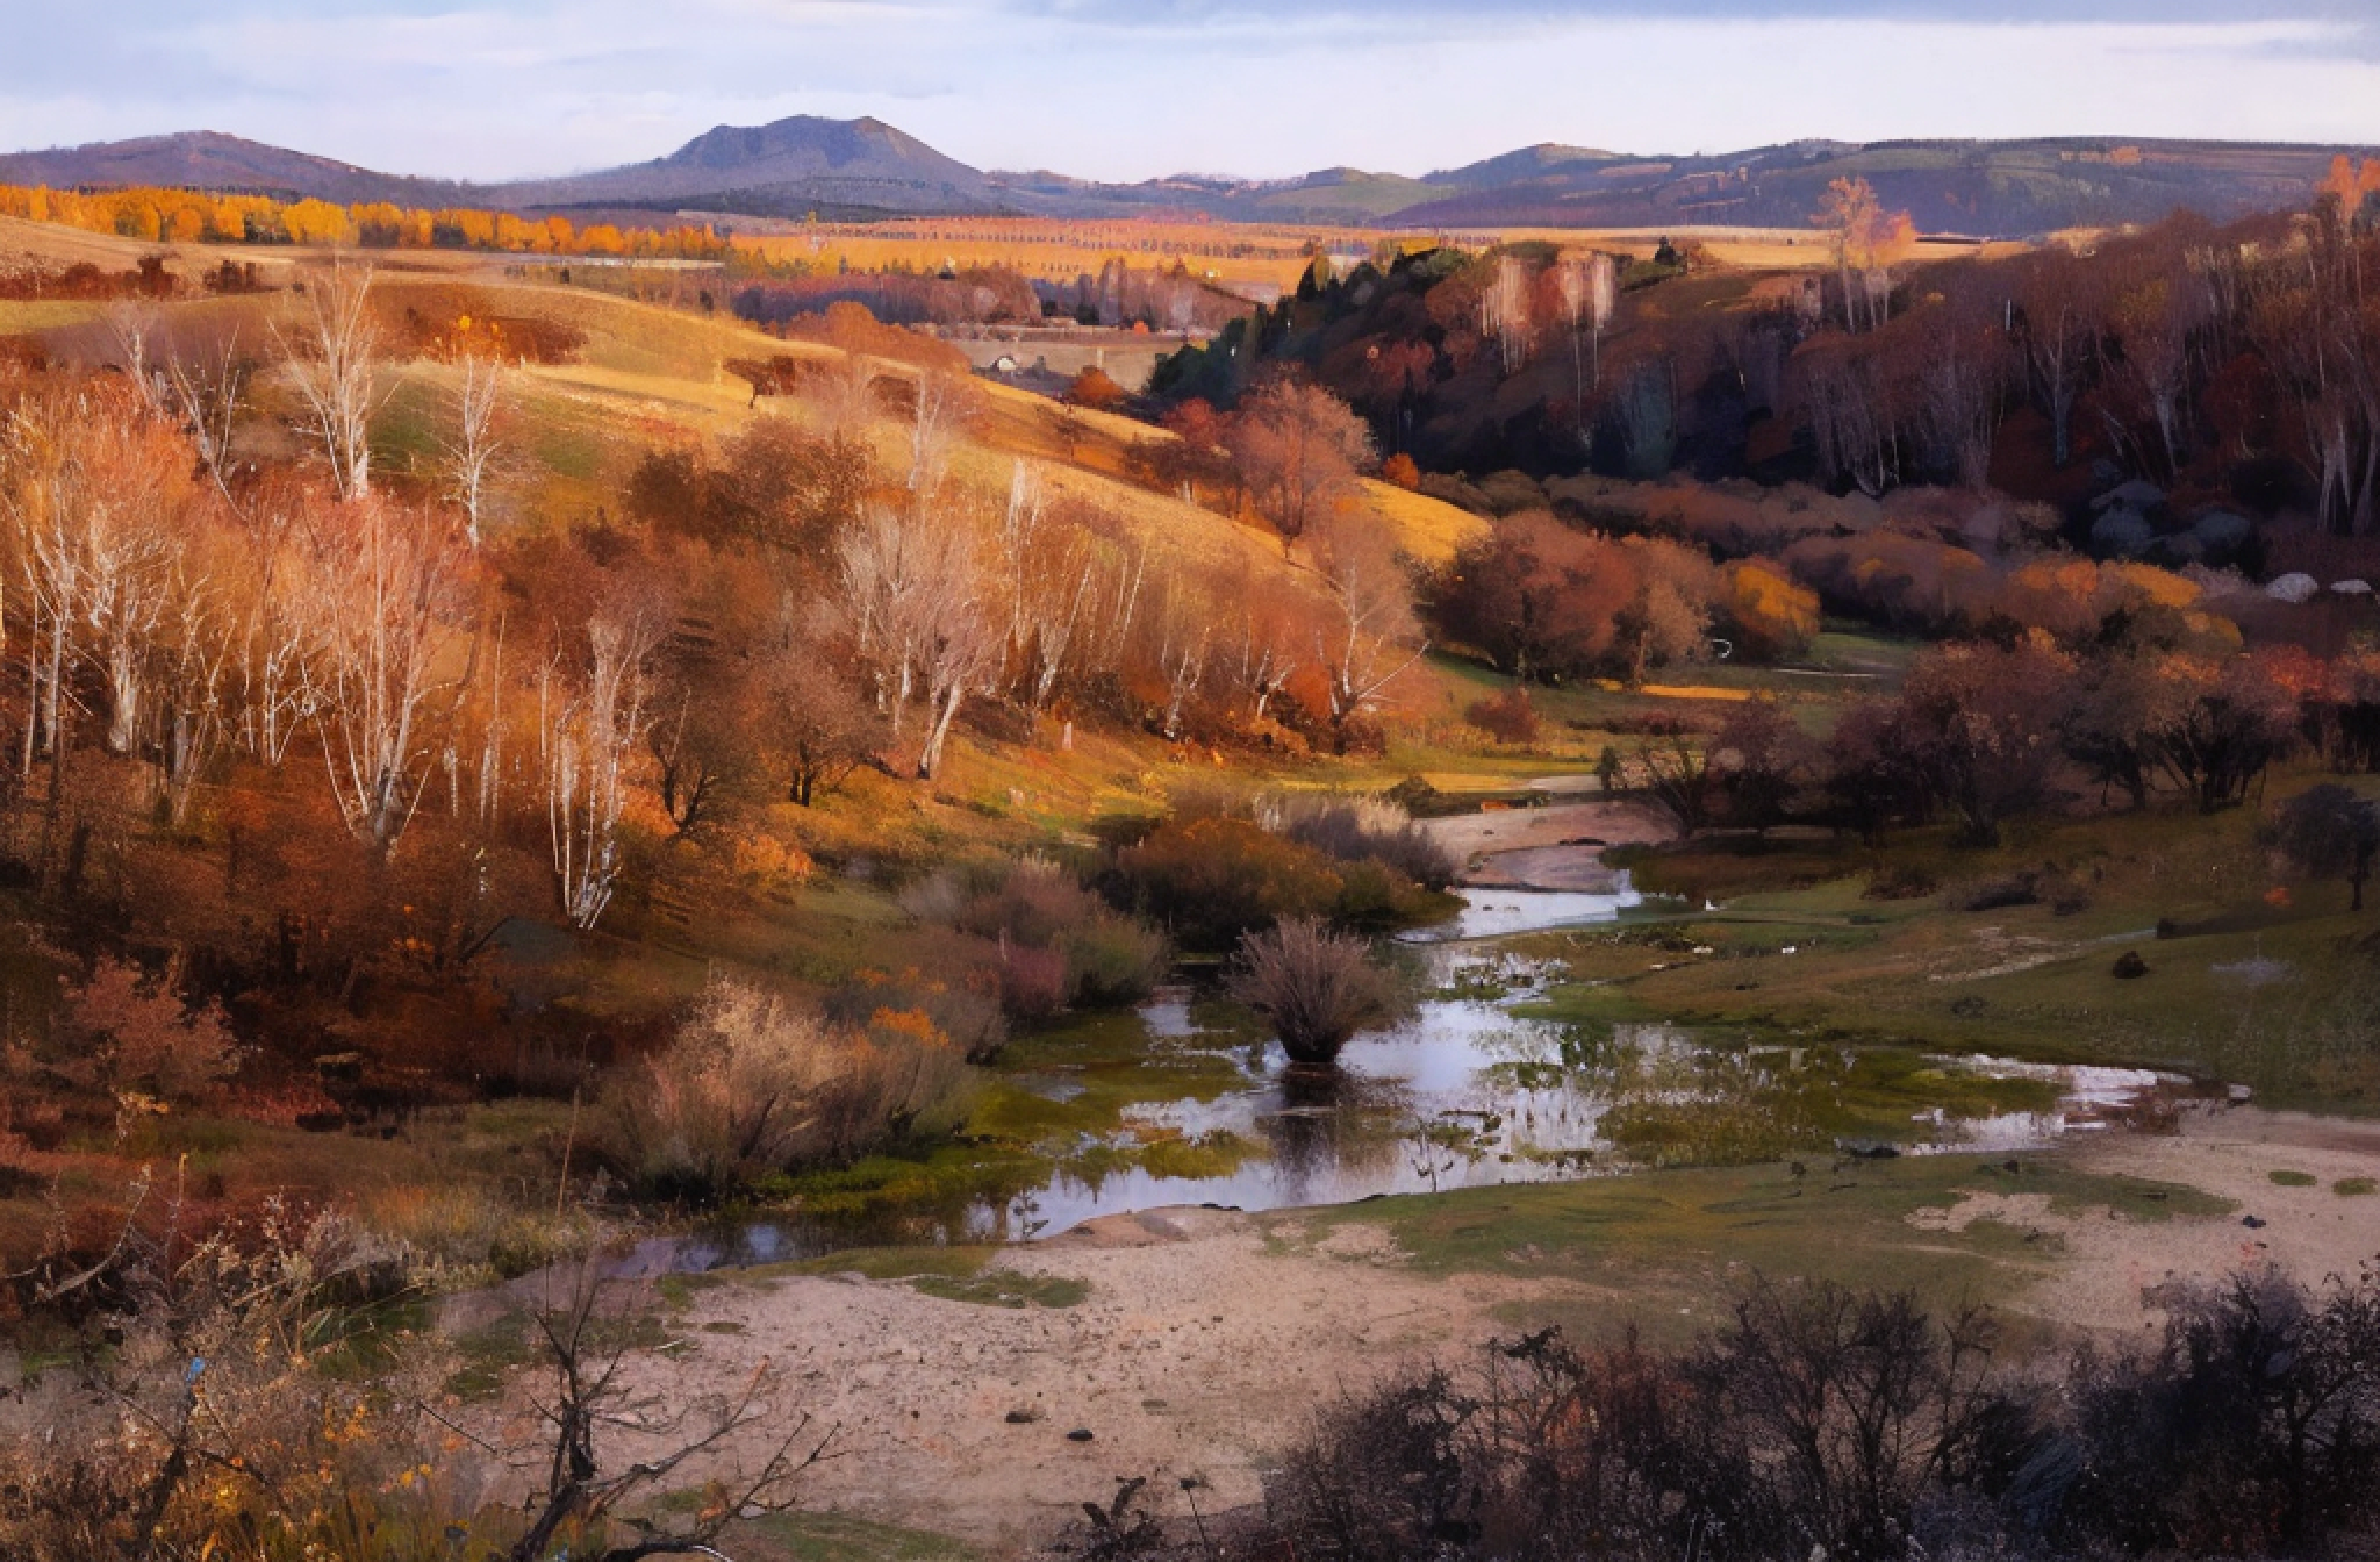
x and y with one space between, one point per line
1461 1092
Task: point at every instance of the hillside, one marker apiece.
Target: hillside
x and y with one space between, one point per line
209 160
837 168
864 169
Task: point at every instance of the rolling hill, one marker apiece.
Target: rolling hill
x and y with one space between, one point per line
209 160
865 169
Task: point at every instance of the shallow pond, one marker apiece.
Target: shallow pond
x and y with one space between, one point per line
1185 1101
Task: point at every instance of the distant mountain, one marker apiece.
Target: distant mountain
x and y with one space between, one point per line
865 168
836 167
209 160
1984 188
1529 163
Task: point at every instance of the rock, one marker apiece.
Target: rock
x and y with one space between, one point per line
2121 532
2223 531
1024 1415
1868 1149
2351 588
2295 586
2254 1223
2138 495
2130 965
1080 1435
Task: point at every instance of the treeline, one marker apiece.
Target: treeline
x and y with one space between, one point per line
2235 367
1118 295
154 215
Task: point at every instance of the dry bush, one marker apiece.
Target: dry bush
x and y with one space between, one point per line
1508 717
1210 879
121 1031
1317 987
753 1086
1362 830
1059 946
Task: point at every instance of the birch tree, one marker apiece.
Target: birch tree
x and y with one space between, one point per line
593 721
1369 637
384 607
330 347
471 455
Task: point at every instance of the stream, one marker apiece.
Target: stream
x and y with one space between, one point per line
1467 1089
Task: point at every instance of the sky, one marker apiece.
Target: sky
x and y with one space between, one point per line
1136 88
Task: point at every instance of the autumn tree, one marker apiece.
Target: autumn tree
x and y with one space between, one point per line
2228 721
1868 242
1300 449
1979 726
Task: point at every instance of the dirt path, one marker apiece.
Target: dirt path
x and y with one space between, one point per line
1205 1343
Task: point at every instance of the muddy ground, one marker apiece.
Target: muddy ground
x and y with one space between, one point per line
1207 1338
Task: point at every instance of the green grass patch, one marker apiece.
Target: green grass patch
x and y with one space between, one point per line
2285 1179
486 1354
1647 1243
834 1537
2355 1186
1005 1287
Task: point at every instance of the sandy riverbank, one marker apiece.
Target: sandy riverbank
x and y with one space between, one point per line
1208 1337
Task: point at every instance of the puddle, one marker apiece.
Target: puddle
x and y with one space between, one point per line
1499 913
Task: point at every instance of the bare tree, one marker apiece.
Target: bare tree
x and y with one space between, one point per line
1504 310
592 1400
1263 655
945 405
588 729
1370 638
471 456
330 347
1184 629
384 604
922 616
96 496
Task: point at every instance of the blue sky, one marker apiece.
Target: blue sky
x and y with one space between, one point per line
1131 88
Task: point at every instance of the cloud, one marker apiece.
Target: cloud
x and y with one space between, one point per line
1130 89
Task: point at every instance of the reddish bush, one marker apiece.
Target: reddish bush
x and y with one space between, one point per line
1508 718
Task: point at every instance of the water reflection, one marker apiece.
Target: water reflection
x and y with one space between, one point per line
1499 913
1462 1093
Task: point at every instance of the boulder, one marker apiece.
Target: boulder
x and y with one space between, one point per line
2122 533
2296 586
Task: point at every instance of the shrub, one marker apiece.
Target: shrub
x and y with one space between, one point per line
1362 830
1508 718
1902 881
2246 1431
752 1086
1317 987
1212 880
1115 962
125 1032
1060 945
